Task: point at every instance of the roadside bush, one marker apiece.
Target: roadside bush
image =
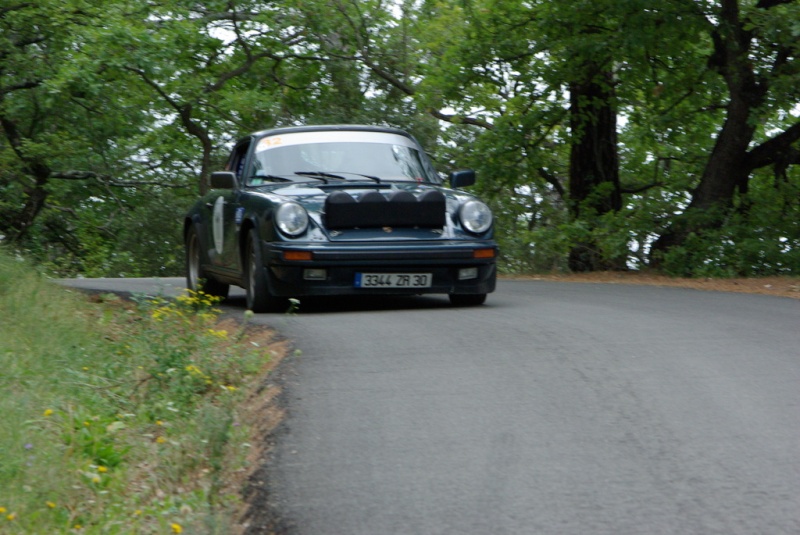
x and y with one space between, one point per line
110 237
118 417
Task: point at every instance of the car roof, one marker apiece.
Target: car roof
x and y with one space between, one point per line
329 128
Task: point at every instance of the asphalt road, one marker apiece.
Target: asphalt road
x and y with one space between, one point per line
555 408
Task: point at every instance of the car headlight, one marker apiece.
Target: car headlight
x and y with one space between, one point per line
291 219
475 216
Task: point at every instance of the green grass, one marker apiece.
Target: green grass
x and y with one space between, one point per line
118 417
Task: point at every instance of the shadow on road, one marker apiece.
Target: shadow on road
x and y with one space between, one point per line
339 304
171 287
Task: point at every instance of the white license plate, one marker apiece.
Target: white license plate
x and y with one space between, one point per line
393 280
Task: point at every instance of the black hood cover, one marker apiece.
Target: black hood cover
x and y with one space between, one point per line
371 210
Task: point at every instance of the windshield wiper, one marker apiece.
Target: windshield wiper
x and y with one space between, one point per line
287 178
376 179
334 175
269 178
319 174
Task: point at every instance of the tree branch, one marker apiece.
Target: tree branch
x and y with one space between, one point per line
408 90
17 7
110 181
640 188
238 71
461 119
158 89
551 179
772 150
387 76
766 4
22 85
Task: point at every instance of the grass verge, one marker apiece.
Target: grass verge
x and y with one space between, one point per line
121 417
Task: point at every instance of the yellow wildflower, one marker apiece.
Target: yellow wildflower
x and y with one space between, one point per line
51 505
102 469
2 510
11 516
96 479
161 440
48 412
176 528
221 334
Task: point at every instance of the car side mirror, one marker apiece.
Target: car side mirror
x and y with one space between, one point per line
462 178
223 180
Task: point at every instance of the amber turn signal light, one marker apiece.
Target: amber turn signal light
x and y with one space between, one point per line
483 253
297 255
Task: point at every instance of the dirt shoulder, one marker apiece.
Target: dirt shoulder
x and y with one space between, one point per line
778 286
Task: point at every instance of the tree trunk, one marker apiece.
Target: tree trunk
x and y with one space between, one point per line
18 223
594 164
201 133
725 171
728 168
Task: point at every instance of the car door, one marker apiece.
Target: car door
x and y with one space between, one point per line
226 213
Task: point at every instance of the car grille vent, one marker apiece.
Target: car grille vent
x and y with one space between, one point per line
371 210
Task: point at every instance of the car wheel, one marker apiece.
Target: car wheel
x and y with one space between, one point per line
467 300
258 296
196 279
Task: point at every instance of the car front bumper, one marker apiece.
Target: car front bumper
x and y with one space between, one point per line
444 260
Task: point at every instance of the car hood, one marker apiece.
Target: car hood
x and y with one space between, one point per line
360 217
312 196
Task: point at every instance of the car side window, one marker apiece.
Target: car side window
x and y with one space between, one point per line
237 161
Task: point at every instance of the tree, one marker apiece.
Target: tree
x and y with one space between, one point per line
59 123
756 52
594 165
499 66
193 60
74 151
601 134
507 68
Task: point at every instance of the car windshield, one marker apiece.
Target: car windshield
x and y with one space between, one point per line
345 155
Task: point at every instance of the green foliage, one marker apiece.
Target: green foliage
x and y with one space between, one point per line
115 113
117 418
761 238
110 236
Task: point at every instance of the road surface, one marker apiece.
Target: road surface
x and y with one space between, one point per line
556 408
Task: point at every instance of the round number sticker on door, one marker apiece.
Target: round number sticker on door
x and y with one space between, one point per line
217 224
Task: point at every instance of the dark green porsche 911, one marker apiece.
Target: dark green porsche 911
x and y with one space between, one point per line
338 210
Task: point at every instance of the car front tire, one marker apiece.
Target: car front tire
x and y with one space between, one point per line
196 279
258 297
